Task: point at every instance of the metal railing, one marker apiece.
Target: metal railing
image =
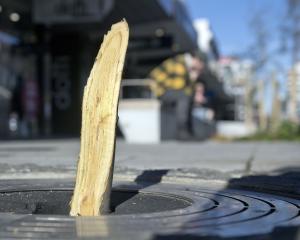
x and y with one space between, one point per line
132 83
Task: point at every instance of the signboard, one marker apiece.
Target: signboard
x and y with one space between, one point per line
70 11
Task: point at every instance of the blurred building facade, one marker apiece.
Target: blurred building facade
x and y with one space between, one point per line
48 47
206 40
236 75
52 44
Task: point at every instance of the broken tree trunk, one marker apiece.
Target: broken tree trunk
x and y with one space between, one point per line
99 116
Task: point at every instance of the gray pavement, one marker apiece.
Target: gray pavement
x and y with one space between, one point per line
57 158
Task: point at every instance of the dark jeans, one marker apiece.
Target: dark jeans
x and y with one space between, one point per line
183 107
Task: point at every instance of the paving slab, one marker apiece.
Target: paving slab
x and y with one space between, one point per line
173 155
236 158
275 156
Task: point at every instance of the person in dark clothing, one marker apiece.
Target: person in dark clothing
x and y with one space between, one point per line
173 82
16 100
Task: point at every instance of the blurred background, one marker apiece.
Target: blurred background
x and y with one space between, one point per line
210 97
248 85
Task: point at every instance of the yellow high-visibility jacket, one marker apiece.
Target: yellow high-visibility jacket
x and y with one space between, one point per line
171 74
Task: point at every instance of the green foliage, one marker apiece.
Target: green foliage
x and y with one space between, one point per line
286 131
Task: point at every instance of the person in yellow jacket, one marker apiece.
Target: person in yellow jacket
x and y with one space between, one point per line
173 82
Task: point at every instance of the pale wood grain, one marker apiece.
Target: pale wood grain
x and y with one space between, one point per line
99 115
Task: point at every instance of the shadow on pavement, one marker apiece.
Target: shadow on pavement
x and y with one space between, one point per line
283 182
151 177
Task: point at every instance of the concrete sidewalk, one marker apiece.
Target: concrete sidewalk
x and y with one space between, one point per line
49 158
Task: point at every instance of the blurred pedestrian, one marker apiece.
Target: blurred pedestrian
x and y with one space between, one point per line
30 105
173 82
201 106
16 111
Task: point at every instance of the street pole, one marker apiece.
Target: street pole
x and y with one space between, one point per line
262 120
276 105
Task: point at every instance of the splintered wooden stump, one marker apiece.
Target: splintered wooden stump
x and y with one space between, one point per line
99 116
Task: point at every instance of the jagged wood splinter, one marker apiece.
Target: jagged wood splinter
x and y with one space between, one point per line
99 114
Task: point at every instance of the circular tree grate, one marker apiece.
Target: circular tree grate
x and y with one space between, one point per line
172 210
